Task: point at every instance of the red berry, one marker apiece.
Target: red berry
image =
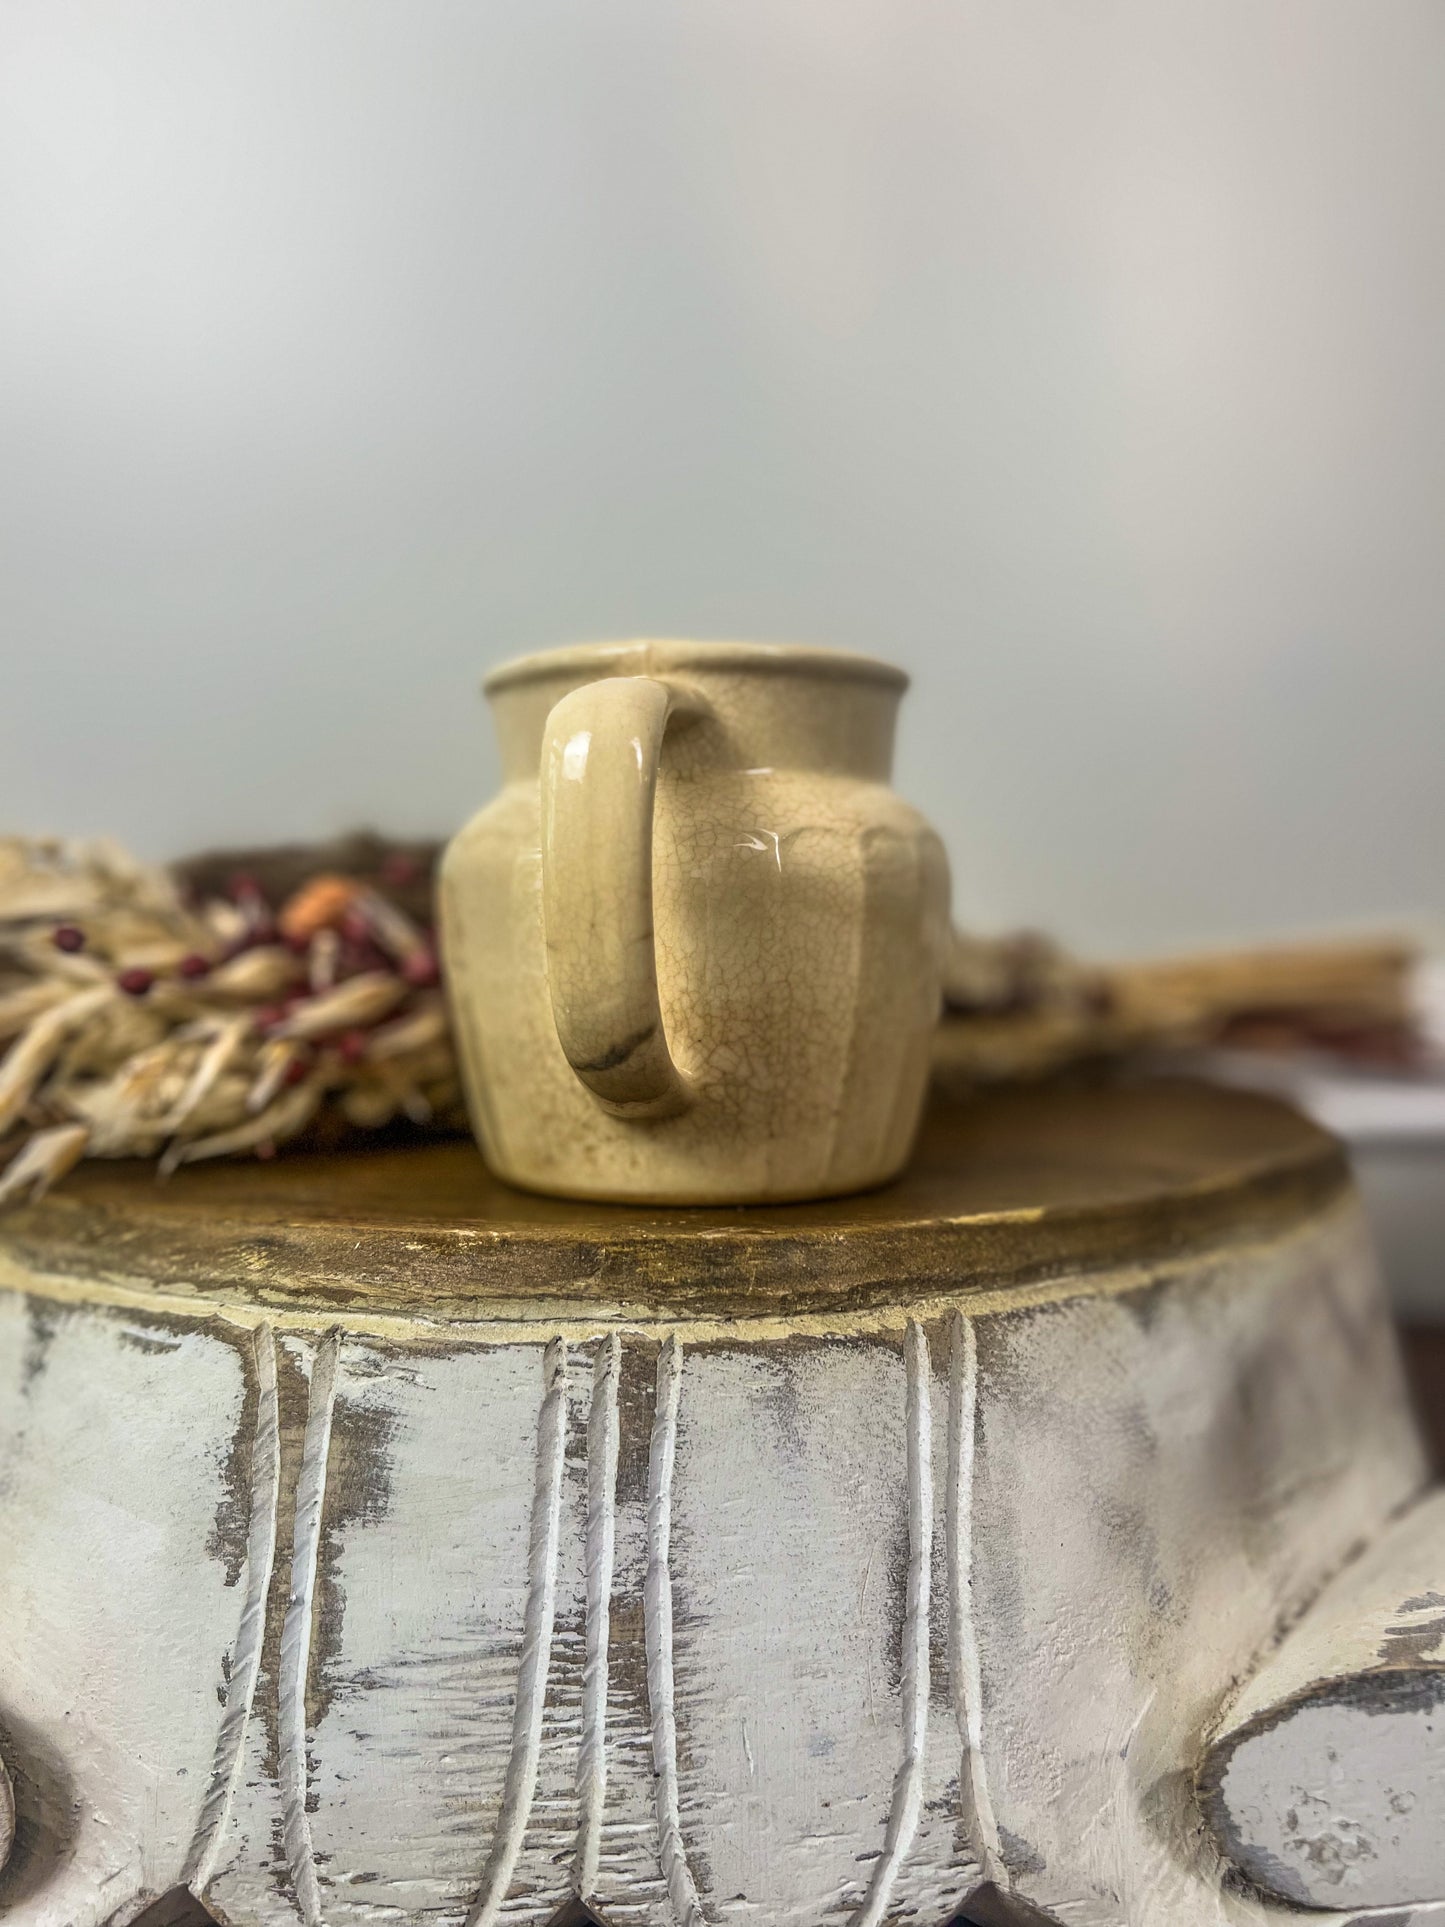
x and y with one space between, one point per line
68 937
195 965
355 926
295 1071
421 969
352 959
351 1046
136 981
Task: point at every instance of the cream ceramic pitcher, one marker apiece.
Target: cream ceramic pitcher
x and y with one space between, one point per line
694 947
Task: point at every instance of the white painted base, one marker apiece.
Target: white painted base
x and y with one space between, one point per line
713 1626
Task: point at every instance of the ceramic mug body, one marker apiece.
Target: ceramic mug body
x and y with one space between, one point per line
695 946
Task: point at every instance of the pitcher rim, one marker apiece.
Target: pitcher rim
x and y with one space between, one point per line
682 654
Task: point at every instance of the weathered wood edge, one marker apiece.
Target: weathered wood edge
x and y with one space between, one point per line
1104 1206
1367 1642
1386 1690
7 1815
872 1304
1382 1688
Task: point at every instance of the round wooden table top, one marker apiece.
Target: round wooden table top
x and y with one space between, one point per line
1006 1192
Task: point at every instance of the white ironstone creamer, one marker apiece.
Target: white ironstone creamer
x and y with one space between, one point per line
694 947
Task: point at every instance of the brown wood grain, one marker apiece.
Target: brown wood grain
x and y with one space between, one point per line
1007 1190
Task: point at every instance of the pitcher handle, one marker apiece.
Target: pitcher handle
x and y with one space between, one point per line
600 754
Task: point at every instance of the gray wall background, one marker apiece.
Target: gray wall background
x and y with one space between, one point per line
1086 359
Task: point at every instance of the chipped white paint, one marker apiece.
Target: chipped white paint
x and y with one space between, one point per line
913 1686
521 1783
210 1833
942 1862
1327 1781
1160 1482
763 1632
297 1629
7 1816
601 1552
122 1591
427 1571
975 1801
657 1612
791 1573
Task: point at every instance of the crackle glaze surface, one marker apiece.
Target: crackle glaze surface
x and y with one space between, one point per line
744 963
345 1608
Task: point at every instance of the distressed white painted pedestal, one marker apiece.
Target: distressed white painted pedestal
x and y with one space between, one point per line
382 1546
